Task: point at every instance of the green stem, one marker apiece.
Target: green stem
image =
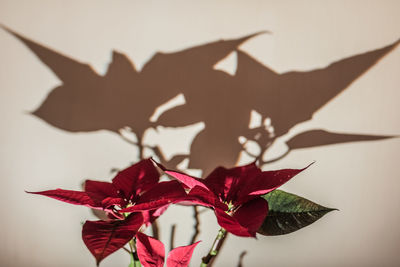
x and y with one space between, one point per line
132 263
134 257
215 248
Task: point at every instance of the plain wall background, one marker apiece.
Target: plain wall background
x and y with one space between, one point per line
361 179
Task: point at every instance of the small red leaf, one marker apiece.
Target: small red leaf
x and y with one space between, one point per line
231 224
149 216
266 182
105 237
103 193
187 180
201 196
180 256
170 191
69 196
150 251
100 189
226 182
251 215
136 178
162 194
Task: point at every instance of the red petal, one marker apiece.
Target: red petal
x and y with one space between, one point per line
180 256
252 214
246 220
162 194
201 196
170 190
187 180
227 182
105 237
266 182
69 196
149 216
110 201
147 206
150 251
103 193
100 189
136 179
231 224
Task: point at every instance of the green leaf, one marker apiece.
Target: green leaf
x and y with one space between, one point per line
289 213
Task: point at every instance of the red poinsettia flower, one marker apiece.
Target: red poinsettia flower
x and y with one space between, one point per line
151 253
136 187
234 194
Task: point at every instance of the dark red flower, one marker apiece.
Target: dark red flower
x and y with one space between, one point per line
151 253
234 194
136 189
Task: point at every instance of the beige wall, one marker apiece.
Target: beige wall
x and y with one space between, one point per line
361 179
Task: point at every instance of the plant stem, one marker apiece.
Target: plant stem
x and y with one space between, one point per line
241 256
215 248
134 257
172 237
196 224
155 230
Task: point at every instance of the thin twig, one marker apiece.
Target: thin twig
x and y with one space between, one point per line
155 230
218 248
241 256
132 246
172 237
196 224
215 248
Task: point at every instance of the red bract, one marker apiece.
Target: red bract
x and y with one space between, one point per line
151 253
135 189
105 237
235 194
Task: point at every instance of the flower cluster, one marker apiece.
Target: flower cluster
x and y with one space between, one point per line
136 197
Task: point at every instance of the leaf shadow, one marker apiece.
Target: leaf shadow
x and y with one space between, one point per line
125 97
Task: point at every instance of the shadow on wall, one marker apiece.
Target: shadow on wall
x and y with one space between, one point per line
125 97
